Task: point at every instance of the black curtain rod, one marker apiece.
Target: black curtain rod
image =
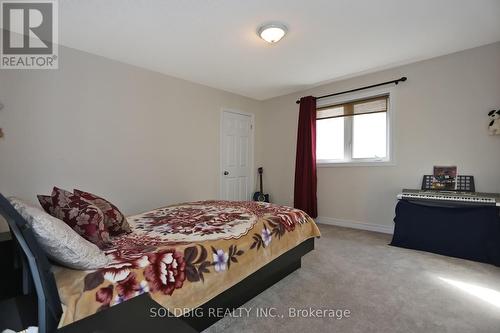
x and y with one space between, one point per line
403 79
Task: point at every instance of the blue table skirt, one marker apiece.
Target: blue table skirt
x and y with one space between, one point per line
464 232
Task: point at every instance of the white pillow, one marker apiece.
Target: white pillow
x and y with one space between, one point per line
59 241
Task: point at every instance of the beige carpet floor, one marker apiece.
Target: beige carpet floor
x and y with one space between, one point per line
386 289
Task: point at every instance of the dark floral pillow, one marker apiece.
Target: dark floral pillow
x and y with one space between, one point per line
61 197
82 216
114 220
46 203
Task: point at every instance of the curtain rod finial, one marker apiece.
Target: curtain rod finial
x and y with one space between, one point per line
402 79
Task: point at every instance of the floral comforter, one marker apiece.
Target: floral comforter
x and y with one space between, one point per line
184 255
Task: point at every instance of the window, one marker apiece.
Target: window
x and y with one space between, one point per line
354 131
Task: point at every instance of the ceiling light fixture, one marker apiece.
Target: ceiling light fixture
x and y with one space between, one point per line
272 33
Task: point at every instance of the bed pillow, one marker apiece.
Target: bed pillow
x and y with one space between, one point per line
61 197
81 215
46 203
114 220
61 243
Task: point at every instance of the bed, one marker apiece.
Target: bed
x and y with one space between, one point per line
185 258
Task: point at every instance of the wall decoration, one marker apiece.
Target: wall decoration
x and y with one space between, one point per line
494 126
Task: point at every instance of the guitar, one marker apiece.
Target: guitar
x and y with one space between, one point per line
260 195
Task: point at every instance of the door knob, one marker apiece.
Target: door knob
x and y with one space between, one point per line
226 173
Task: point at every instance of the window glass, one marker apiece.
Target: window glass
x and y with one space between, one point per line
330 139
369 135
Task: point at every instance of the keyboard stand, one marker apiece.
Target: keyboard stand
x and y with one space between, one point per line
465 232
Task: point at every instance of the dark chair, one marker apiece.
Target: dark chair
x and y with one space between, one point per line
47 296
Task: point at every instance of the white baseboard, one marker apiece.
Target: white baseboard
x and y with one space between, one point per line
386 229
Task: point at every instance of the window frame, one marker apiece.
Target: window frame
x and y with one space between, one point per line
389 160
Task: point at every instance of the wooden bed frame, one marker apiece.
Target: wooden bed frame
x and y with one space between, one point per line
134 315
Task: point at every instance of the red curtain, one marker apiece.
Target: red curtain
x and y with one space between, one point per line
305 161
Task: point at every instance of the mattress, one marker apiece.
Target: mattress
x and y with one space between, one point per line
184 255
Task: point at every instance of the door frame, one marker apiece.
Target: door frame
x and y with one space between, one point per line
251 148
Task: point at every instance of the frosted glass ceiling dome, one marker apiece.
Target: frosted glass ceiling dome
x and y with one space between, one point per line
272 32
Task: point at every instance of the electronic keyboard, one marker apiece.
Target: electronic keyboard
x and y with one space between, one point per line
451 197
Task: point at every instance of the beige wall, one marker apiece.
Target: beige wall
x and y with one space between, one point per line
441 118
140 138
144 139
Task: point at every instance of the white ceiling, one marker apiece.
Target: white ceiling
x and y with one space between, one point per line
213 42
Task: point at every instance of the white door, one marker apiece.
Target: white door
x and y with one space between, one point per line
236 156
